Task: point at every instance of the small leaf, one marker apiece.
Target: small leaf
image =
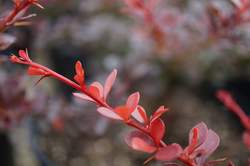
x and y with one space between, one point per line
96 89
193 142
124 112
140 115
83 97
79 77
24 55
109 83
6 41
17 2
157 130
140 141
210 144
157 114
169 153
36 71
108 113
15 59
133 100
202 133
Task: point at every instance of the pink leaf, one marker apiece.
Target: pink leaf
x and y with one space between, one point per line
157 114
157 130
210 144
108 113
169 153
140 141
83 97
109 83
99 87
133 101
202 133
140 115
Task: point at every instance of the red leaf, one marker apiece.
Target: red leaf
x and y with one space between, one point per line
17 2
193 141
99 87
24 55
108 113
124 112
93 90
15 59
157 130
36 71
140 115
140 141
157 114
169 153
133 100
79 77
109 83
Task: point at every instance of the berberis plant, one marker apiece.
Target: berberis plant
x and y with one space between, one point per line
149 130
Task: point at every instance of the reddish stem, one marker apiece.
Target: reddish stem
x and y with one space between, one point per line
70 83
186 161
227 99
5 23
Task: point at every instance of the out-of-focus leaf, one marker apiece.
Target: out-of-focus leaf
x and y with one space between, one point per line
6 40
157 130
169 153
140 141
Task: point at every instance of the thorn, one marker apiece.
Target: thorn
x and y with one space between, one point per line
40 80
22 23
28 16
38 5
148 160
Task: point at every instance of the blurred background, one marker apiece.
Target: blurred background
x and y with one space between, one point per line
180 61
